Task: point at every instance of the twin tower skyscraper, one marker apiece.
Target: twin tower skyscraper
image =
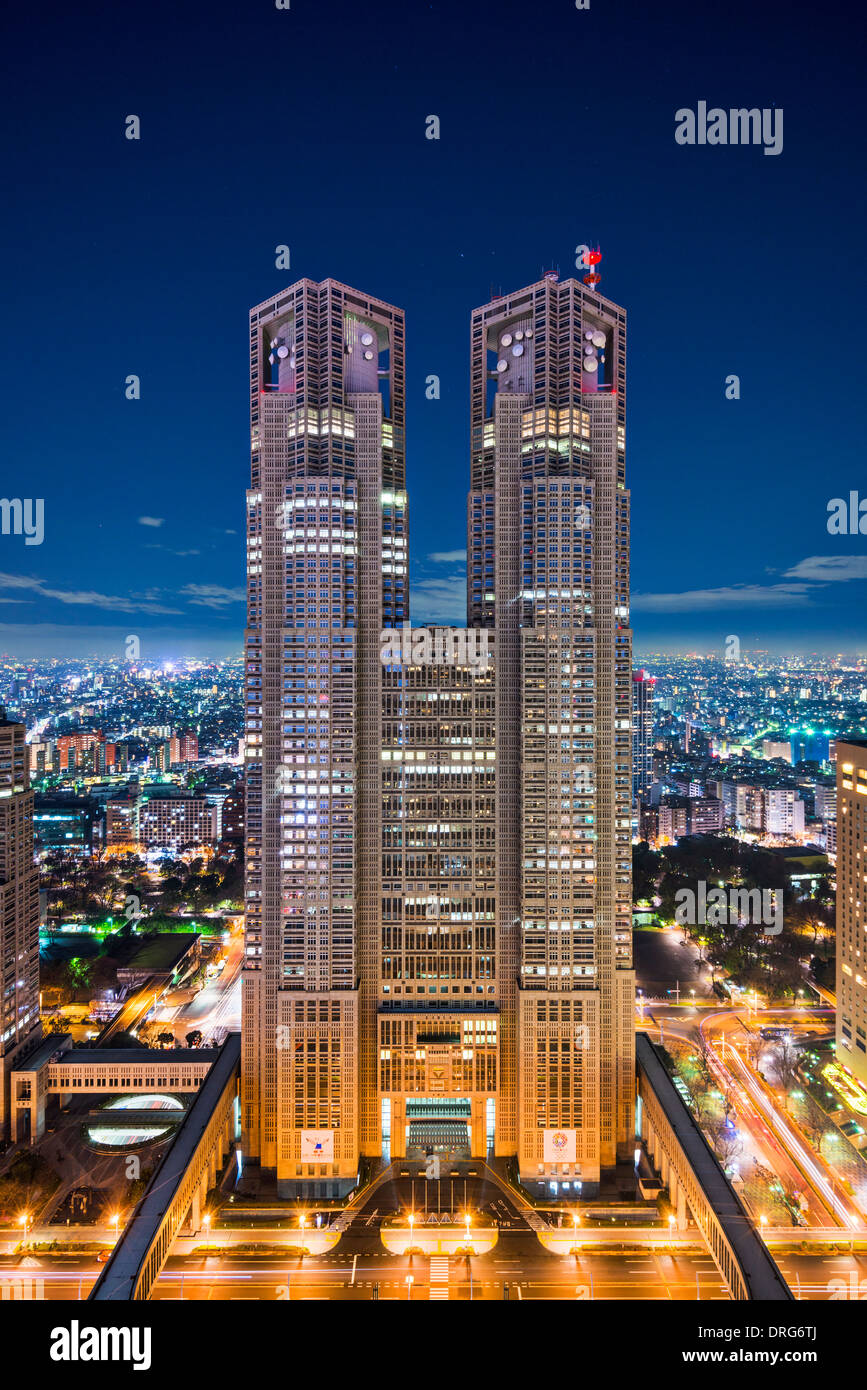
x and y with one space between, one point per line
438 857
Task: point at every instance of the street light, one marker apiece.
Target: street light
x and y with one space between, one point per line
411 1224
22 1221
409 1281
115 1221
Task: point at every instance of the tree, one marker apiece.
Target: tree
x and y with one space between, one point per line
786 1066
79 972
756 1048
816 1129
645 871
725 1140
703 1061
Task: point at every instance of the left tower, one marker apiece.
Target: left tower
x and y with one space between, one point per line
326 572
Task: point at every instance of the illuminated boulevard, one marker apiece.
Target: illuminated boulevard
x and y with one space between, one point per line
653 1265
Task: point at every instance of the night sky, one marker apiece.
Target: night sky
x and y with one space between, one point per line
261 127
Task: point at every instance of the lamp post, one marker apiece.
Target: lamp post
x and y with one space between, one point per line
576 1222
411 1225
22 1222
409 1281
115 1221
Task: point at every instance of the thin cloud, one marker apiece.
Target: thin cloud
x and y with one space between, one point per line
728 596
86 598
442 600
829 569
156 545
447 557
212 595
151 521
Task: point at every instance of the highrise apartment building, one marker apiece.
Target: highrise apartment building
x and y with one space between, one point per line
438 849
851 912
19 911
826 811
643 701
782 811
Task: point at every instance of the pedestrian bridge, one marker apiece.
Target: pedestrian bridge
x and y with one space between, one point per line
55 1067
177 1191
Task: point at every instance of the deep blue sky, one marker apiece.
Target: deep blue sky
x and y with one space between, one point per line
307 127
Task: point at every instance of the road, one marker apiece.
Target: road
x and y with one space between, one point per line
528 1271
131 1012
814 1168
770 1137
666 960
760 1148
216 1008
518 1262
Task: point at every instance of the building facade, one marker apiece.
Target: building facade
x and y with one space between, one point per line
174 822
783 811
438 946
122 828
851 914
20 1029
643 704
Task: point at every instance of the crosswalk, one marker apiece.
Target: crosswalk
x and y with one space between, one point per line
439 1276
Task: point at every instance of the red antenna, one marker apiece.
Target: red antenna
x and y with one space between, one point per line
592 258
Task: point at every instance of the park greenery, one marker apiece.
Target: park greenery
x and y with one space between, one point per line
769 962
115 904
99 887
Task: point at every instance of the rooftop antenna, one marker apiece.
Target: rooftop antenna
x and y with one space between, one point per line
592 258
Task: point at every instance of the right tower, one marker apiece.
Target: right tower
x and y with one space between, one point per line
548 571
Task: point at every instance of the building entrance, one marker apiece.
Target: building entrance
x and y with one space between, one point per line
438 1126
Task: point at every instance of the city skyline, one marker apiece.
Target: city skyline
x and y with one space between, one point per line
733 493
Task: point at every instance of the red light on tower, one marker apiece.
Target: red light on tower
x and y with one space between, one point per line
592 258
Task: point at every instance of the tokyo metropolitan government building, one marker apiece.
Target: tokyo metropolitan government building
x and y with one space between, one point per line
438 857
